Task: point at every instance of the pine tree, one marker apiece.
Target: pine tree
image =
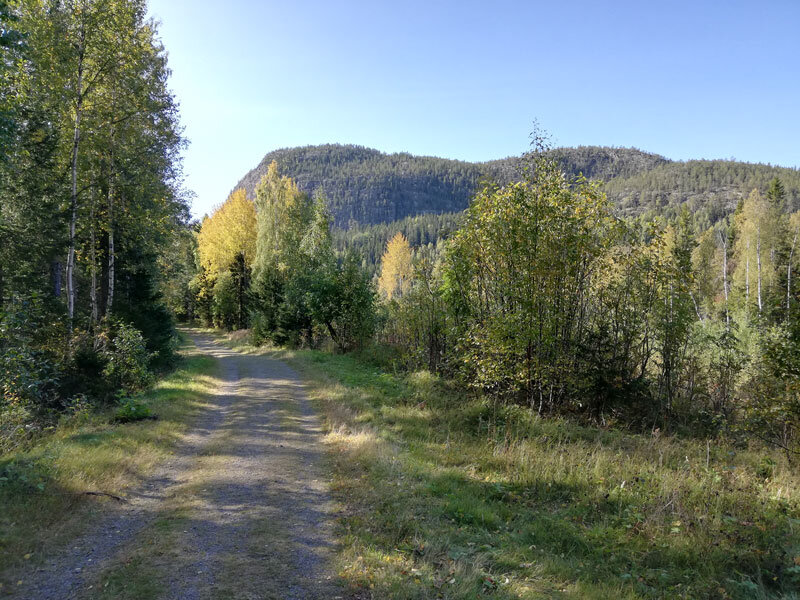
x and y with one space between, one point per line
776 194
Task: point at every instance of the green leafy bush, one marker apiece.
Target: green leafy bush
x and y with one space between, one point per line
83 369
131 410
23 476
127 360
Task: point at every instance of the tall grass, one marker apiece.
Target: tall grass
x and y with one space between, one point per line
449 496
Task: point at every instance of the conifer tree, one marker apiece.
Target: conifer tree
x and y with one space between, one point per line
776 194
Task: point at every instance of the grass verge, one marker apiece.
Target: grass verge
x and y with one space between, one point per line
43 488
448 496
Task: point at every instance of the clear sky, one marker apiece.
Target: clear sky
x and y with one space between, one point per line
463 79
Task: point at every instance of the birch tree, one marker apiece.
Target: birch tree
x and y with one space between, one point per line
758 237
396 268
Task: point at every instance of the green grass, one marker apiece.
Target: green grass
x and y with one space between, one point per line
447 496
42 486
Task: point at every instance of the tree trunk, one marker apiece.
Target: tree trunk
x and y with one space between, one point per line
696 307
240 293
93 256
334 337
76 137
73 218
758 265
789 274
102 263
747 277
112 257
725 280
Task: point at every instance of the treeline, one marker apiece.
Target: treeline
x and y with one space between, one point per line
90 174
544 298
271 265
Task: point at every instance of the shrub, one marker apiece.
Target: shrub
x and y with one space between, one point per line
131 410
17 425
770 391
127 360
28 374
84 368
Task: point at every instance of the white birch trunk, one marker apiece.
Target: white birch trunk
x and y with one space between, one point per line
758 266
789 275
93 253
747 275
74 199
111 249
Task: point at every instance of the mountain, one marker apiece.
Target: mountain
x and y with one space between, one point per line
367 187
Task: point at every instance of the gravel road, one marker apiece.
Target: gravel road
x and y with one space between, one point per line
240 510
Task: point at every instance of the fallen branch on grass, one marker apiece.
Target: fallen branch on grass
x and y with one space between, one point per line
117 498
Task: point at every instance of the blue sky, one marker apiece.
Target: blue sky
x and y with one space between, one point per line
464 79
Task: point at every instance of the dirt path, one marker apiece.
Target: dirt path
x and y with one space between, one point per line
241 510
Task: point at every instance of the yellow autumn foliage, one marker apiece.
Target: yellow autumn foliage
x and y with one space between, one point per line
396 268
229 231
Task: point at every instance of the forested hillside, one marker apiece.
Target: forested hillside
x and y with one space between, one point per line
710 189
367 187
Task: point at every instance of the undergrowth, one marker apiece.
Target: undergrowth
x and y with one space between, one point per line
43 484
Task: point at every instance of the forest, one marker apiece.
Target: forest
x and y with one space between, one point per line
367 187
91 209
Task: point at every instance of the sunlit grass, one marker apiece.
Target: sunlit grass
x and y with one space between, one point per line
448 496
42 497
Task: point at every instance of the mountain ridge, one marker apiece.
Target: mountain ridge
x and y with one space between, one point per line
365 186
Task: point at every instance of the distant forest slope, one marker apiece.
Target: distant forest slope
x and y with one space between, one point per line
420 230
710 188
367 187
